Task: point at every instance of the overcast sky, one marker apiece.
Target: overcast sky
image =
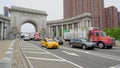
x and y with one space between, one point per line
54 8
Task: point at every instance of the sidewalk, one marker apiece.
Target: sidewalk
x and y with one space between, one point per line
4 45
117 43
17 61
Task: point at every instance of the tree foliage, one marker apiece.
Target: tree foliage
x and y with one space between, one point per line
114 32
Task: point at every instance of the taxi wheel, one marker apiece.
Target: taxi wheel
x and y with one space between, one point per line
47 47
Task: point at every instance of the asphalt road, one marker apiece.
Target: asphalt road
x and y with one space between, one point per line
66 57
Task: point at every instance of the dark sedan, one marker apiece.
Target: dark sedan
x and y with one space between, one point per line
60 41
83 43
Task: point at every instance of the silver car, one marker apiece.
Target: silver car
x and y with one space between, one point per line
83 43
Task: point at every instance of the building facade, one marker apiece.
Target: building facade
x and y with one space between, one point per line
4 27
6 11
119 19
111 17
95 7
57 28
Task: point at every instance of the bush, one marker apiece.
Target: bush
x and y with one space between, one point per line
114 32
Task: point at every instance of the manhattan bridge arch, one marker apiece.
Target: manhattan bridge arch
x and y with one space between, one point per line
20 16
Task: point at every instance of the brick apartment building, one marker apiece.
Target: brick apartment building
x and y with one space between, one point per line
101 17
95 7
119 19
111 17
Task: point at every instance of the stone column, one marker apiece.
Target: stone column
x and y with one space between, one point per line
1 30
49 31
89 23
72 25
67 26
78 25
62 30
56 30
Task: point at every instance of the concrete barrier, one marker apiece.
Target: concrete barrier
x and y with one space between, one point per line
5 62
10 49
9 54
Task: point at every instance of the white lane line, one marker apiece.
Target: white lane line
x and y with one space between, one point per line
31 66
45 59
67 61
36 52
87 52
96 54
29 49
61 58
117 66
29 46
74 54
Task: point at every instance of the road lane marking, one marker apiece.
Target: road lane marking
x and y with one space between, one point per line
61 58
117 66
31 66
67 61
95 54
46 59
87 52
36 52
28 49
74 54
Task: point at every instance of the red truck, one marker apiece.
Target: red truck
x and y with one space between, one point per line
102 40
94 35
36 36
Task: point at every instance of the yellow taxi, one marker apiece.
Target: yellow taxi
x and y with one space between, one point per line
49 43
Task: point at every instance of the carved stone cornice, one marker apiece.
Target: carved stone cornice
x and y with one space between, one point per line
21 9
85 15
4 17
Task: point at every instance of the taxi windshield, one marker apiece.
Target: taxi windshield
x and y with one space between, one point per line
50 40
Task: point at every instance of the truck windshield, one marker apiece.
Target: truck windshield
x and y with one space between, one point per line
102 34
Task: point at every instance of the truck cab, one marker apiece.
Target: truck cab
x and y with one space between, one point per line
100 37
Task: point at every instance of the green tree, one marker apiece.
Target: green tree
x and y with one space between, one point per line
114 32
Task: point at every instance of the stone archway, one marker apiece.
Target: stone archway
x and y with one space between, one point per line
20 15
32 23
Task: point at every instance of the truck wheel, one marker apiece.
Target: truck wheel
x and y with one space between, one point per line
84 47
101 45
71 45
